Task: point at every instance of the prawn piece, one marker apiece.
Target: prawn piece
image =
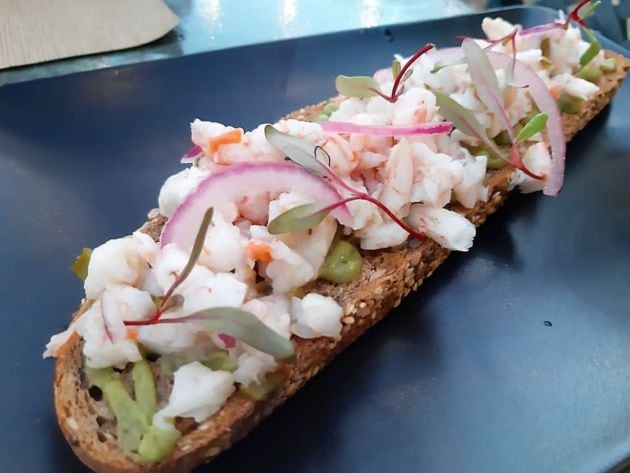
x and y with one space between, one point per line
446 227
435 174
287 268
396 192
106 342
416 105
342 160
273 311
315 316
198 392
117 261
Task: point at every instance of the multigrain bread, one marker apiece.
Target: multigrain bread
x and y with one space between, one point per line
386 277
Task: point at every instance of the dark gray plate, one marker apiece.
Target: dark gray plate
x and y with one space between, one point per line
465 376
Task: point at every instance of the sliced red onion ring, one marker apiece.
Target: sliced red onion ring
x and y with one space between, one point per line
541 29
239 180
439 128
525 76
191 155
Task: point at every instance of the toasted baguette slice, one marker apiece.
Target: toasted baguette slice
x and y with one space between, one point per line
386 277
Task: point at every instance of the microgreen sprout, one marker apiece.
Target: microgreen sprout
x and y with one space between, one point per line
228 322
365 86
167 301
305 217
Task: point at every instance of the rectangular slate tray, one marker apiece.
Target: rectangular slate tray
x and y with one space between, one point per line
513 357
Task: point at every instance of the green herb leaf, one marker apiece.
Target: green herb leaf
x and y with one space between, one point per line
486 82
438 66
466 122
169 301
81 263
194 254
301 152
592 8
176 301
356 86
533 126
396 68
593 48
243 326
298 219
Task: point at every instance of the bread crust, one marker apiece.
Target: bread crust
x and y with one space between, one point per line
386 277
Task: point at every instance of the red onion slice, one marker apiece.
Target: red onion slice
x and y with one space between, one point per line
439 128
543 99
191 155
239 180
541 29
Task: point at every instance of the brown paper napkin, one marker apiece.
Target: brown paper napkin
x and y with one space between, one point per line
34 31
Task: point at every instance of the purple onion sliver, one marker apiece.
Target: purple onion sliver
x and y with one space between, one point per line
539 29
440 128
192 154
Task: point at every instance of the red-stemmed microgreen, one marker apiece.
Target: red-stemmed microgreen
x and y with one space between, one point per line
365 86
466 122
438 66
228 322
300 218
487 86
509 38
168 301
396 67
357 86
486 83
307 216
594 48
240 325
574 15
579 18
533 126
300 151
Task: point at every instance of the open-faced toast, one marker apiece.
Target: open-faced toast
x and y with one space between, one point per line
386 277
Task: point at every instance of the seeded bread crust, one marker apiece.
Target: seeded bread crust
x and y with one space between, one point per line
386 277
